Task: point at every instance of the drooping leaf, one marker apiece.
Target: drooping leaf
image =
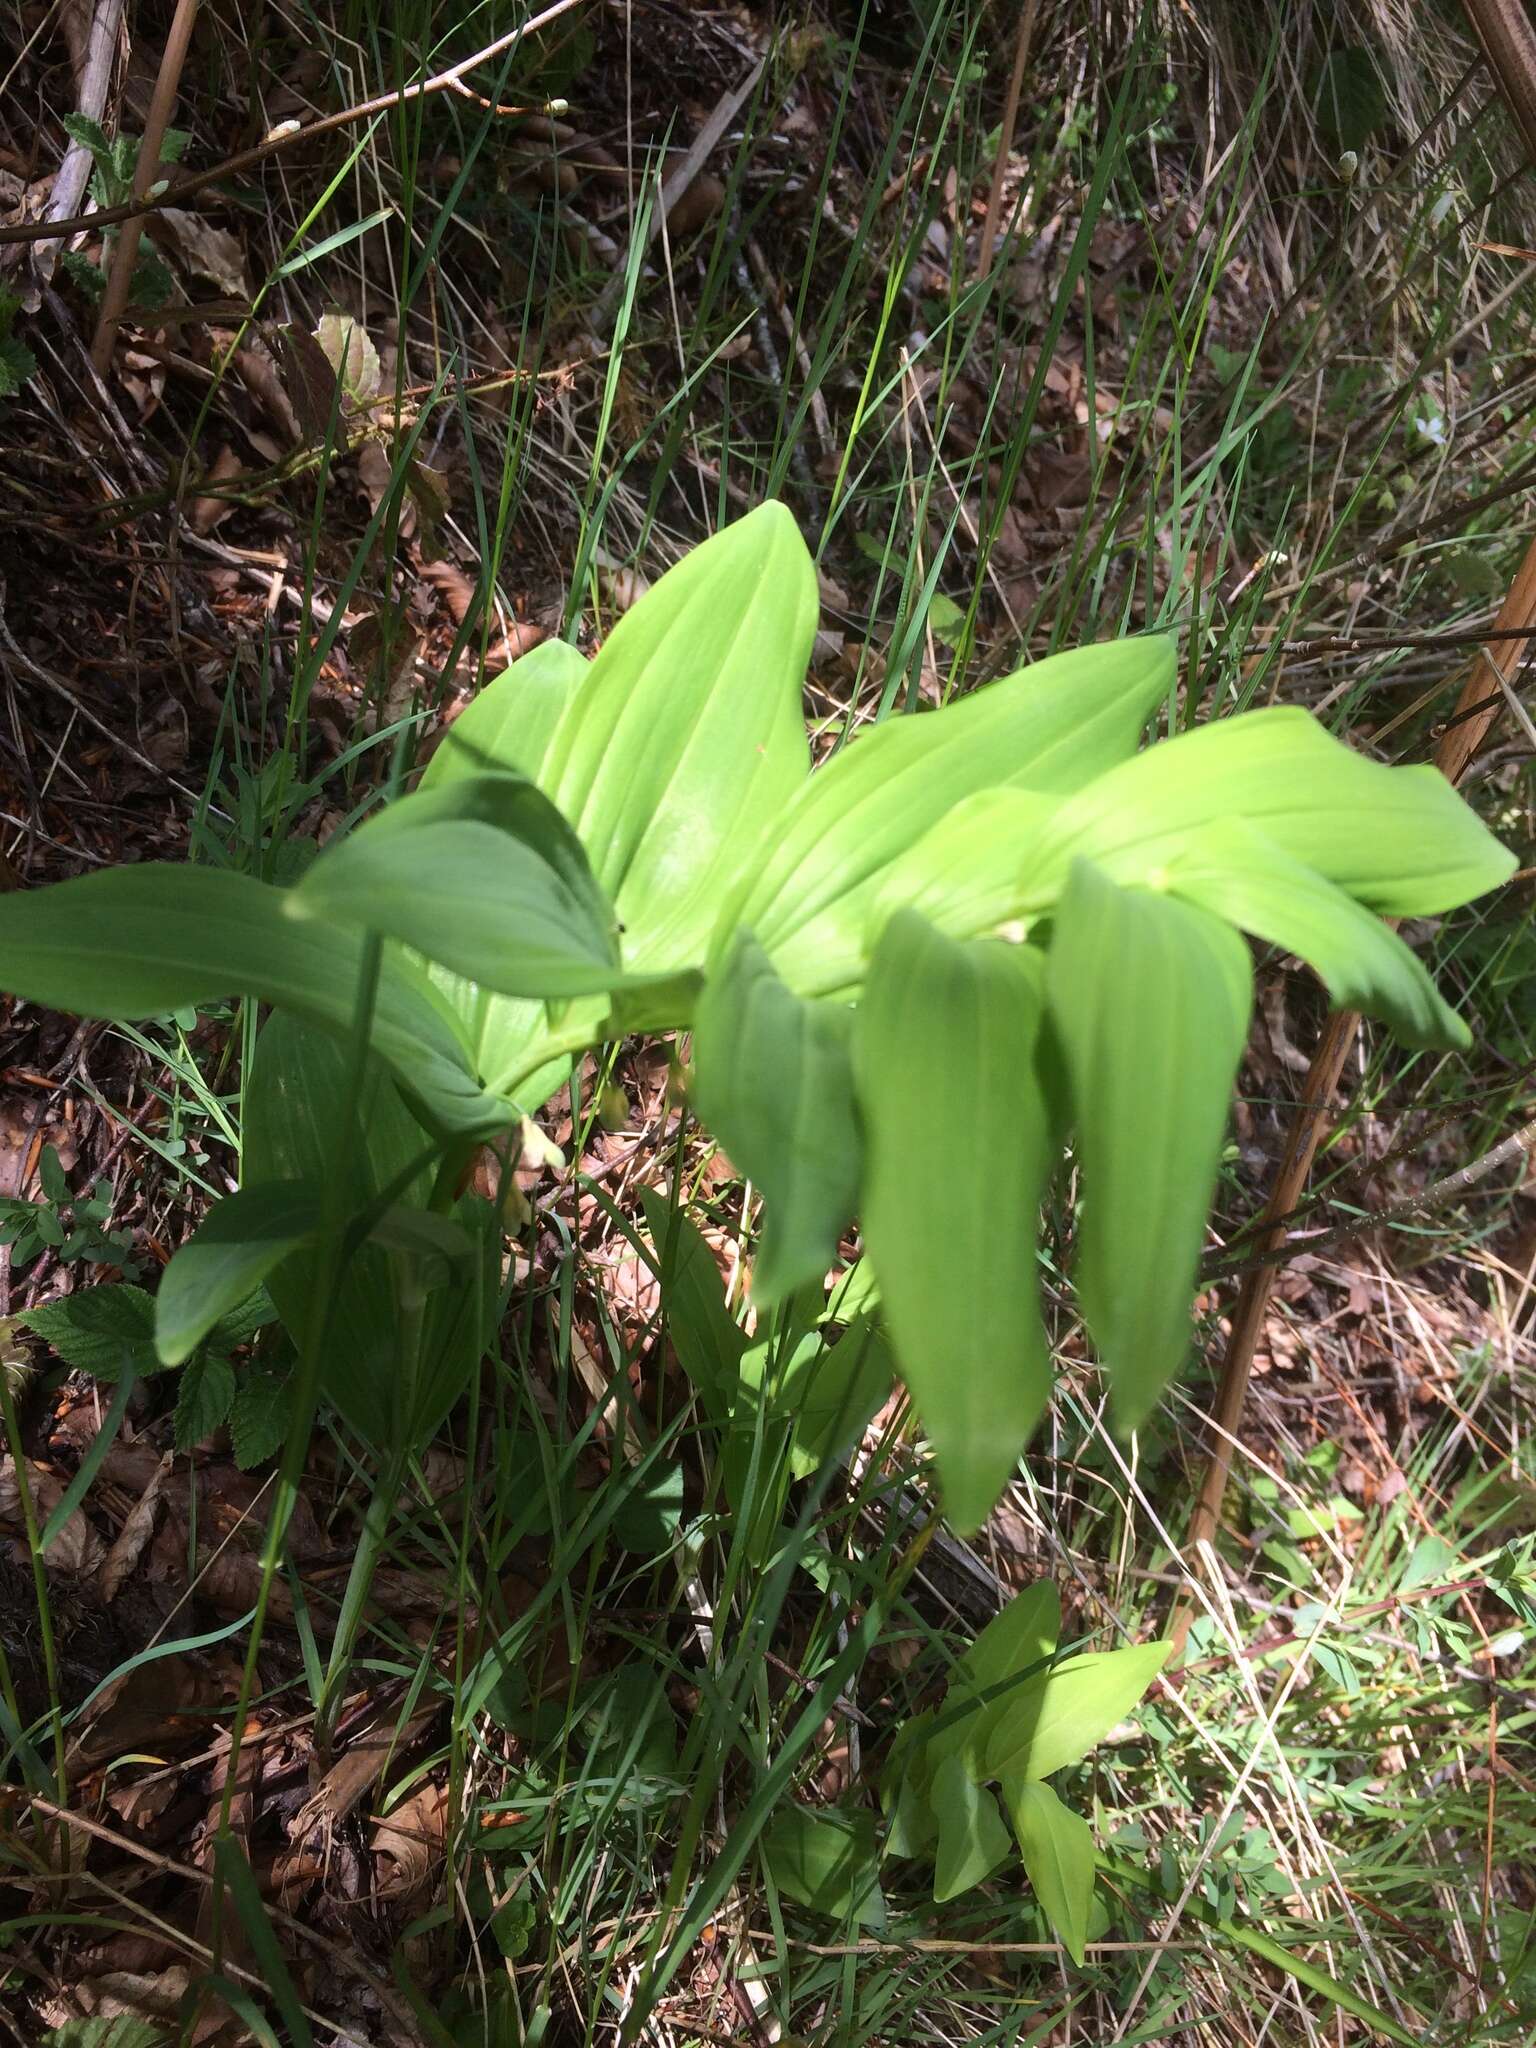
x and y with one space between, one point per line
1150 1000
973 1840
227 1258
1050 728
826 1859
482 874
204 1398
1400 840
510 726
1059 1858
773 1078
958 1149
98 1329
687 738
138 941
1056 1718
1232 870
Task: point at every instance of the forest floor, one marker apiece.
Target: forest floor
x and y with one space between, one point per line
1225 332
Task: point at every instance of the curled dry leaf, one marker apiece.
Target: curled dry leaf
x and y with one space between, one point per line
408 1845
209 509
352 356
125 1553
201 249
77 1549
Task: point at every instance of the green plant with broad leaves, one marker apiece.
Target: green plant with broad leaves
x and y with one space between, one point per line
913 976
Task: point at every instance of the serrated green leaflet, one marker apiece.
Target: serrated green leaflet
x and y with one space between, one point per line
944 1060
1150 1002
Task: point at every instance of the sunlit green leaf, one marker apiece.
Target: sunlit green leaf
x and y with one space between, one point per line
138 941
481 873
512 723
944 1057
973 1840
1051 727
1150 1000
1059 1858
1056 1718
1025 1631
687 739
1233 870
1400 840
773 1079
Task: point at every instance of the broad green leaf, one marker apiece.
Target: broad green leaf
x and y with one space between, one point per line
1234 871
1059 1858
482 875
121 2031
973 1840
833 1391
137 941
708 1341
1398 839
512 723
95 1328
967 873
203 1399
1057 1718
958 1149
826 1859
1051 727
651 1511
906 1788
228 1257
1150 1001
773 1078
687 739
1025 1631
387 1388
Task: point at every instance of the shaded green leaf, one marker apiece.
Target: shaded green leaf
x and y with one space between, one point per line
827 1860
773 1078
944 1058
96 1328
1150 1000
227 1258
1055 1719
1051 727
261 1416
1059 1858
708 1341
204 1398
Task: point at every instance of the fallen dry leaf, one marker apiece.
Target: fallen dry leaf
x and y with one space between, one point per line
136 1531
408 1845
